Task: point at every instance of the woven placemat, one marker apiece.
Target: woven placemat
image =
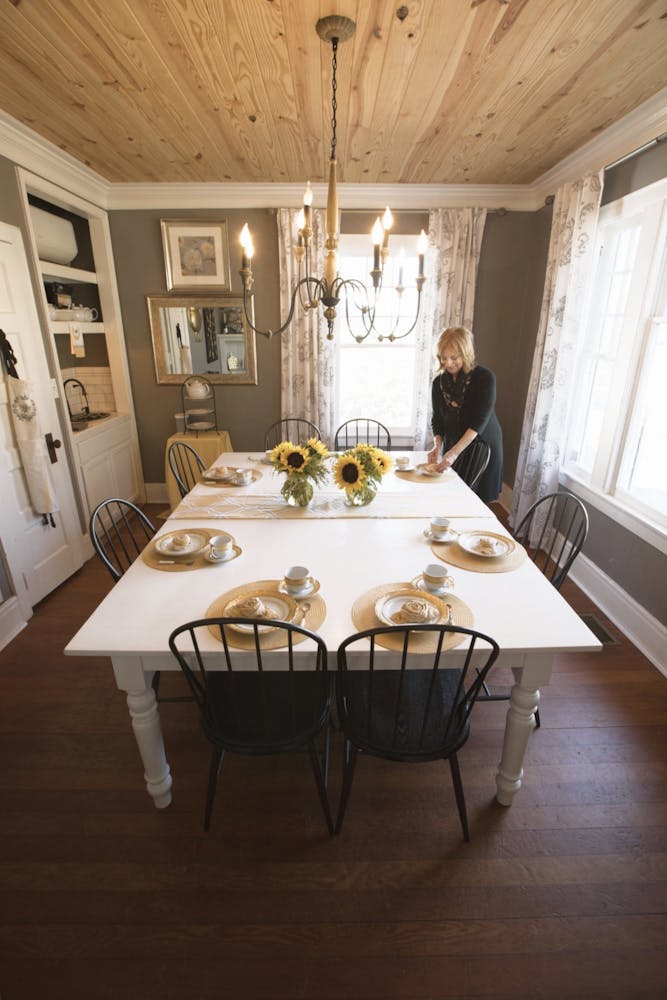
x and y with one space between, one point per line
228 484
453 554
158 560
364 617
414 476
312 620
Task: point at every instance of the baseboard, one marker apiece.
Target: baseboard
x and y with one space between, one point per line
156 493
11 621
642 629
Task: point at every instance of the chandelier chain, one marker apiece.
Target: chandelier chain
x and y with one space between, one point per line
334 103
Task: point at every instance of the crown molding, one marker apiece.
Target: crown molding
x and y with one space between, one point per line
636 129
418 197
27 149
41 157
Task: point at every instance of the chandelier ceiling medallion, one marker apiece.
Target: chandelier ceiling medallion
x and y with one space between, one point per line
312 292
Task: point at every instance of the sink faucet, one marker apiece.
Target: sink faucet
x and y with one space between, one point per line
86 406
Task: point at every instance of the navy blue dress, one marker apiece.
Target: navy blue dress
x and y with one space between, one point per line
459 405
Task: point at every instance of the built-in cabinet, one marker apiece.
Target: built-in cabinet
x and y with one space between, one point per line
82 298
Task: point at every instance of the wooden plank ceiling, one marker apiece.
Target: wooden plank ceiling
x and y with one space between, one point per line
481 91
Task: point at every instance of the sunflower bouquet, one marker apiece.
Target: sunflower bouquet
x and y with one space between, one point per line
359 472
303 466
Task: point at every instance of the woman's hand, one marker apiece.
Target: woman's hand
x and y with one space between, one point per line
434 453
447 460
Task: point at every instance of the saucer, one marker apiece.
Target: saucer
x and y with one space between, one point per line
404 468
232 554
450 536
447 586
310 588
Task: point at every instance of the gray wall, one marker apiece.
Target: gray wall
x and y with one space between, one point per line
507 311
243 410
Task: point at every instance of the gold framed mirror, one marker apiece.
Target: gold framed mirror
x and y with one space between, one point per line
201 335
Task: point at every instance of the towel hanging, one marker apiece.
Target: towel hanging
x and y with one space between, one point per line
29 437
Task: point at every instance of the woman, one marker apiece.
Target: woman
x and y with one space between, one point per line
463 396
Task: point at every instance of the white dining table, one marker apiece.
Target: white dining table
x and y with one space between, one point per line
349 551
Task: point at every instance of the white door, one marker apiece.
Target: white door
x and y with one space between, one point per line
39 556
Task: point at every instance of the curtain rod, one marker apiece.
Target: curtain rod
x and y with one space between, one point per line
635 152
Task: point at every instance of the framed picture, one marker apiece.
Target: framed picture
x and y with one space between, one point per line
196 254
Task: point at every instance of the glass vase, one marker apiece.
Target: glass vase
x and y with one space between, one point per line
362 496
297 491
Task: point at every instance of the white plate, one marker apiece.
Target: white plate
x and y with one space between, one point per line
486 544
448 585
219 473
450 536
196 542
391 604
199 413
426 471
310 588
200 425
234 551
278 606
404 468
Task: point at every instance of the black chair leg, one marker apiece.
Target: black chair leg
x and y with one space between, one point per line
213 772
537 718
320 779
458 791
349 763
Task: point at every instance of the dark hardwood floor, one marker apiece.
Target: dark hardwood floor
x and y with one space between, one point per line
563 895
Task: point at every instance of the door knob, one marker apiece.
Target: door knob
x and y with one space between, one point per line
52 445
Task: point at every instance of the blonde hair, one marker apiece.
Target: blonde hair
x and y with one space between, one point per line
460 338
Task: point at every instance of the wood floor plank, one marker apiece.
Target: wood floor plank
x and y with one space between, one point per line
563 896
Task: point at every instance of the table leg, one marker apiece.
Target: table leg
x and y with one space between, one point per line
518 727
145 719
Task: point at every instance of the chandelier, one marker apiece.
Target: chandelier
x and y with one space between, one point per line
311 292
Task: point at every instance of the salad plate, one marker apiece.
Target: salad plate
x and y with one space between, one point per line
280 607
181 543
486 544
410 606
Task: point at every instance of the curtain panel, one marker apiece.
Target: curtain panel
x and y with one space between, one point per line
306 356
569 271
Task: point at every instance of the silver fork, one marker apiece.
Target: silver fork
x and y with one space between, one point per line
450 617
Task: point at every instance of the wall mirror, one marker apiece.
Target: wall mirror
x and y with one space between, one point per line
201 335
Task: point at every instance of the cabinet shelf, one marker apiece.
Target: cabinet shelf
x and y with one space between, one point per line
63 327
71 275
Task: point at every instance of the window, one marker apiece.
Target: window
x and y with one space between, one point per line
377 379
617 439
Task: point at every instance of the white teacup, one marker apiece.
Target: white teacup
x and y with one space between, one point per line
434 576
403 462
244 476
296 579
221 545
439 526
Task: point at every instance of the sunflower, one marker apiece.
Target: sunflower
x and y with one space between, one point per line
349 473
383 460
295 458
318 447
278 455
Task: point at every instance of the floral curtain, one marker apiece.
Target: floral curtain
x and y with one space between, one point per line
455 242
569 269
306 356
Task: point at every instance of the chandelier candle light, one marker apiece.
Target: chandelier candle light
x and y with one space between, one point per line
311 291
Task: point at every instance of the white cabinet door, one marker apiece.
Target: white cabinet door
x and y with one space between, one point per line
107 467
40 556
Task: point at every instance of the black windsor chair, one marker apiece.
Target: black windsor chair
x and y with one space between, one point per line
119 531
186 465
408 714
562 522
255 711
362 430
294 429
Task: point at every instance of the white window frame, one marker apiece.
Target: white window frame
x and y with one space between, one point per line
600 487
360 245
